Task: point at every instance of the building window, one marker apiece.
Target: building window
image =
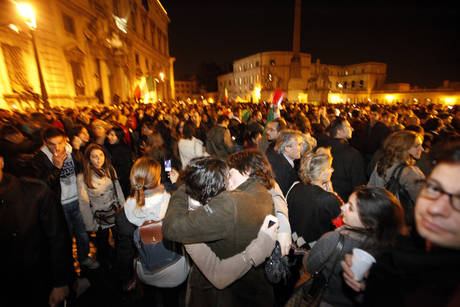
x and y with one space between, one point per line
352 84
361 84
345 84
137 58
272 62
144 29
152 33
346 72
15 67
257 63
159 40
116 8
133 20
69 23
78 78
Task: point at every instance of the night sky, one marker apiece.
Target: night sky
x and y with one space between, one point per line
418 40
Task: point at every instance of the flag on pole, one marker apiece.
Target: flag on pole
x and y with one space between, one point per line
274 111
226 93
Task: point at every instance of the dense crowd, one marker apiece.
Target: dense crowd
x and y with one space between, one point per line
212 173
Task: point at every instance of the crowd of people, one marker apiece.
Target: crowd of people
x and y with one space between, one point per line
214 175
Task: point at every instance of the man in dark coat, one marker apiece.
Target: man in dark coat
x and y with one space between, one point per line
288 149
54 164
348 163
36 259
15 149
219 140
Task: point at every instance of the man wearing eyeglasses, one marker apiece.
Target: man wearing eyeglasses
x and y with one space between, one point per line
427 275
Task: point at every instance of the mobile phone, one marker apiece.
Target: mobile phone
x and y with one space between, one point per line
272 220
168 166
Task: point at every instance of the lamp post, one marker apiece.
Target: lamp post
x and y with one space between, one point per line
26 11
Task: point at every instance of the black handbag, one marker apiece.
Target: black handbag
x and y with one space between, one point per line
276 267
107 217
311 293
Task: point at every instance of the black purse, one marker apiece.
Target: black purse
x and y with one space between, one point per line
107 217
311 293
276 267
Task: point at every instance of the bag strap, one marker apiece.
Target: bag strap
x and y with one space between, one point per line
337 251
295 182
396 174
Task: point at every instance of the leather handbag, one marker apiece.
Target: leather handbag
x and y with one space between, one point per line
150 232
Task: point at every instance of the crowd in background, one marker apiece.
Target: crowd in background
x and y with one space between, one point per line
319 154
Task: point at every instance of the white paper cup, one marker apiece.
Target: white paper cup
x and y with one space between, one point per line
361 263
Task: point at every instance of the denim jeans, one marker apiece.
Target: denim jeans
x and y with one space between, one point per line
77 228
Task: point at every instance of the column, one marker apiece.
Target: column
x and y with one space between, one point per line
105 84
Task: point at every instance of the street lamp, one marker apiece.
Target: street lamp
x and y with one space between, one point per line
163 90
27 13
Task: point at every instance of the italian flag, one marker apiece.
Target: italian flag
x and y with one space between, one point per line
275 106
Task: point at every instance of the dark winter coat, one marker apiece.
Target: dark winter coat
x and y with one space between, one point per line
410 276
121 157
219 142
285 174
37 250
348 164
311 210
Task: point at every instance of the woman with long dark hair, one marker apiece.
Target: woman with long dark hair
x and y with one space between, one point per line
373 220
100 196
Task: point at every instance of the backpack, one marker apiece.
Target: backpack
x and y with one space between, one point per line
394 186
153 254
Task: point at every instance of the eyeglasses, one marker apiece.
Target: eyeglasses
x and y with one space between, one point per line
432 190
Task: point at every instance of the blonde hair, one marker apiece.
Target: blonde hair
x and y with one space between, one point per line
313 164
145 174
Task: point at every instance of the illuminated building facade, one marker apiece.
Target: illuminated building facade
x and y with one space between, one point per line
255 77
189 90
89 51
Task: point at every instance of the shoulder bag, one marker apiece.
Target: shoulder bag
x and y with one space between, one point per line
106 217
394 186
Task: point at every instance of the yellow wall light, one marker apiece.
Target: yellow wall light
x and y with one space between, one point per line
389 98
449 100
